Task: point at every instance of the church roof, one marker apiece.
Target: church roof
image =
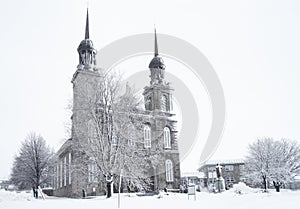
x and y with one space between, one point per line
67 144
157 62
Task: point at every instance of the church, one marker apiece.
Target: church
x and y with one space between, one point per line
73 176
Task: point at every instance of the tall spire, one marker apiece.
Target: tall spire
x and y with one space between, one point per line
155 44
86 50
87 31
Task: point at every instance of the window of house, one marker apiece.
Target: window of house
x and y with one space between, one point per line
212 174
167 137
228 167
230 179
147 137
169 171
242 167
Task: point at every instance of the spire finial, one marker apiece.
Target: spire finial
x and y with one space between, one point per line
155 43
87 31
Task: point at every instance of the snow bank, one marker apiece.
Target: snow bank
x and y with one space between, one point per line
15 196
228 199
242 188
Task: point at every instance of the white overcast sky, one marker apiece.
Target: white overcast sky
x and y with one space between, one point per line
252 45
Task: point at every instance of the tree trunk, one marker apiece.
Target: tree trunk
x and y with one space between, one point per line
108 188
277 186
265 183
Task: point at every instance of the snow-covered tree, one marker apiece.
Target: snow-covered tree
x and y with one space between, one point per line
30 166
272 161
115 136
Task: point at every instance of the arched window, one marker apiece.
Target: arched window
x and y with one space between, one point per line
167 137
169 171
164 103
114 140
131 142
92 171
148 103
131 135
147 136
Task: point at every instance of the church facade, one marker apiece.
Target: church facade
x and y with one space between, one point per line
72 176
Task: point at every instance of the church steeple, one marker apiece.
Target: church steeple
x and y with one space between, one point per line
157 66
155 44
87 30
157 96
87 52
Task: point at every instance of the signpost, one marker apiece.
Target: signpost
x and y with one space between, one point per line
120 188
192 191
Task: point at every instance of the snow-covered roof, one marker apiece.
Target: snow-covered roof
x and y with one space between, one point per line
224 162
65 145
191 174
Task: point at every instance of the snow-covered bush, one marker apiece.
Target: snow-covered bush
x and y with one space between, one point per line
242 188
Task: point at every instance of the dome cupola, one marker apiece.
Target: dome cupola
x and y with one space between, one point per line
157 66
87 52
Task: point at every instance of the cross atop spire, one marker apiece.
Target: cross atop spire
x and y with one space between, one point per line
155 43
87 31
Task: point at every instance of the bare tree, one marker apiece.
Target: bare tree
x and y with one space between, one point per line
115 133
30 167
272 161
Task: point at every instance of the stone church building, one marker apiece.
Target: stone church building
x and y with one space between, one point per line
69 181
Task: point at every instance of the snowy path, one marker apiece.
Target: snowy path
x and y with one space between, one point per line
228 199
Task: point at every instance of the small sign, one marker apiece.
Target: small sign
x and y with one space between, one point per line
192 191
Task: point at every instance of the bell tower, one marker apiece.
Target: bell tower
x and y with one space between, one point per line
158 104
86 81
158 95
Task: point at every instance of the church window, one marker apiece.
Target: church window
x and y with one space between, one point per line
69 165
167 137
65 171
164 103
114 140
147 137
61 173
130 135
131 142
91 171
169 171
57 176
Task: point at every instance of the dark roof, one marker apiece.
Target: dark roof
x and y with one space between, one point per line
157 62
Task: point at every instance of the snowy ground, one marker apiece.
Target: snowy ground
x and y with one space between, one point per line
229 199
